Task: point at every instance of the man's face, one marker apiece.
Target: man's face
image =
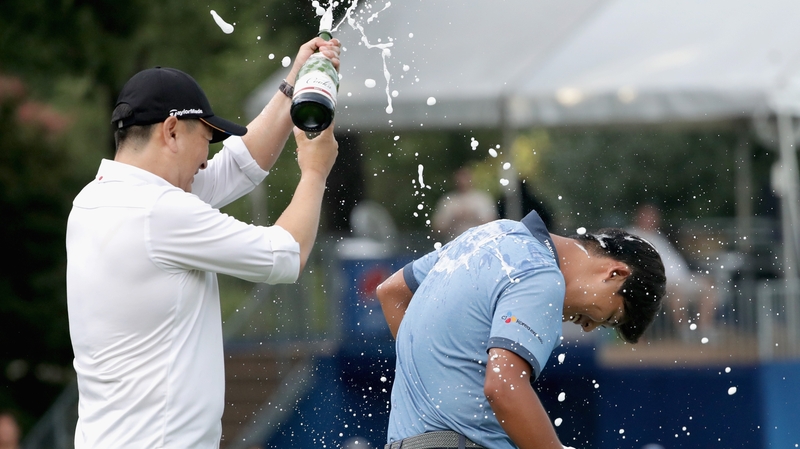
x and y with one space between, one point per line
602 309
591 298
193 143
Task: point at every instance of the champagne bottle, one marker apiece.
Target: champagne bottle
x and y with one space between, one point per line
314 100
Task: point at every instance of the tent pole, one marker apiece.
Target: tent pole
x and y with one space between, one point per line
790 221
743 157
744 195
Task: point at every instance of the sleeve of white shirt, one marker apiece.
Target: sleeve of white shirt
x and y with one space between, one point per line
186 233
231 174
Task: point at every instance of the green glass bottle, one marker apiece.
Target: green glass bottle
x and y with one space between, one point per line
314 100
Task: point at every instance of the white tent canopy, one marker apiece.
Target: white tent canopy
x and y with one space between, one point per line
660 61
466 54
548 62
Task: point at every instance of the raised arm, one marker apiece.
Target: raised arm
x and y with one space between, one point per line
268 132
394 295
301 218
515 404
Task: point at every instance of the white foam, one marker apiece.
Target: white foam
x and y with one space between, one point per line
474 144
384 47
226 27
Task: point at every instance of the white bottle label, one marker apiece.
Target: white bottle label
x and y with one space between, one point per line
316 81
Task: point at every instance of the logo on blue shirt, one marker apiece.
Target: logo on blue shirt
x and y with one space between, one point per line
509 318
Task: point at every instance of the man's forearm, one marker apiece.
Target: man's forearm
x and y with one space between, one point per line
301 217
516 406
268 132
526 422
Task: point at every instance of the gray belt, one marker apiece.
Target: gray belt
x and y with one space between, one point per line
445 439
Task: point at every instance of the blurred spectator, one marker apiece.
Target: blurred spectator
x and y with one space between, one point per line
374 233
462 208
9 431
684 286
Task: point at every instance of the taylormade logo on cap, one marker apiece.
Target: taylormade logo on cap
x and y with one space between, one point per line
177 113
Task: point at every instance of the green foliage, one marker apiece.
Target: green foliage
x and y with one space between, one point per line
40 39
597 177
391 169
37 182
76 55
588 177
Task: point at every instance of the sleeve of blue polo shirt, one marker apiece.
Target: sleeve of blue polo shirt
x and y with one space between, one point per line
415 271
527 317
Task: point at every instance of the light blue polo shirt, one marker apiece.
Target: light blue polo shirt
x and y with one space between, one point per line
496 286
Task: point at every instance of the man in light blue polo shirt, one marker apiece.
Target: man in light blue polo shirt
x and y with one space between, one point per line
476 321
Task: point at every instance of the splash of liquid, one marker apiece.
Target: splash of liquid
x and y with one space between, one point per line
384 47
226 27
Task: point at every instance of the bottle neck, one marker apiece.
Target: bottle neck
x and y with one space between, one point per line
325 34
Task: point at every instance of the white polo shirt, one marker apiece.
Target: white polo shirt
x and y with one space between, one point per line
143 298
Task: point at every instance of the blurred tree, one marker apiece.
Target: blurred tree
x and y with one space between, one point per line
596 177
76 55
37 181
43 39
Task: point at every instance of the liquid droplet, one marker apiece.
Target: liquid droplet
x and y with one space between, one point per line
226 27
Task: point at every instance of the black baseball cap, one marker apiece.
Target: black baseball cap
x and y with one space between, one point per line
154 94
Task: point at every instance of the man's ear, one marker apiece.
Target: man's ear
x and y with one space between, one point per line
617 271
169 128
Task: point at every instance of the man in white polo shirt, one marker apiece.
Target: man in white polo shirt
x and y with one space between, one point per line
145 240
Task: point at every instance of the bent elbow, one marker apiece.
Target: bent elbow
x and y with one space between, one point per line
380 292
495 389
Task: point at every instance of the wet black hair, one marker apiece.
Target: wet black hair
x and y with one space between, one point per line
644 288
